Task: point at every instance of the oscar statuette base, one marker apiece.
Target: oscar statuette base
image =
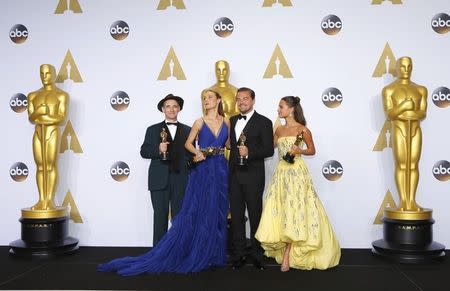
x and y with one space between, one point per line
44 238
408 242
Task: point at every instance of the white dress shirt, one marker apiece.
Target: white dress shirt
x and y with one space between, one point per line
172 128
241 123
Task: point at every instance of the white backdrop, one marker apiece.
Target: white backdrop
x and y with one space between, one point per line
119 213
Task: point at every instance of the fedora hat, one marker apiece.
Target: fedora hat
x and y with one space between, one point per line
179 100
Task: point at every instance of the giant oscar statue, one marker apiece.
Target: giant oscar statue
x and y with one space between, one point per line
225 89
407 230
45 225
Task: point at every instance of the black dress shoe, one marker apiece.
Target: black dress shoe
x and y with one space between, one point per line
258 264
237 264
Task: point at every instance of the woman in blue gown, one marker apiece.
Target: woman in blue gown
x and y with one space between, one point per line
197 239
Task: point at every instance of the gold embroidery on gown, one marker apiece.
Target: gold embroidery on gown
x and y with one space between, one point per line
293 213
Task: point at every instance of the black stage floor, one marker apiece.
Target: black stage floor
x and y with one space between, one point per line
358 270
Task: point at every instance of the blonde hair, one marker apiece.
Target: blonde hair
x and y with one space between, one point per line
220 107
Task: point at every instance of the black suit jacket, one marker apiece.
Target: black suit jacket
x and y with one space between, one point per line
158 172
259 134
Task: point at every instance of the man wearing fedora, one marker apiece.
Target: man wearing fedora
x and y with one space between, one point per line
166 179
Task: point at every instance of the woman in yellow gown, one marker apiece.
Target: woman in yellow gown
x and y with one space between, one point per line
294 228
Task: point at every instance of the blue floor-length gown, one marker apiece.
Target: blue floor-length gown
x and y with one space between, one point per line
197 238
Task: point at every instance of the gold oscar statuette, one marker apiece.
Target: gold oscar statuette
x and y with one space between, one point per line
405 104
289 157
209 151
242 161
163 136
47 109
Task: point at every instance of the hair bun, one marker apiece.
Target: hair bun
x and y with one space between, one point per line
297 99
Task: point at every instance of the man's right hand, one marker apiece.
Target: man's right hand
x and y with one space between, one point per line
163 147
243 150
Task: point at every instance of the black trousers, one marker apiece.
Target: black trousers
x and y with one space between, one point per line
171 196
244 196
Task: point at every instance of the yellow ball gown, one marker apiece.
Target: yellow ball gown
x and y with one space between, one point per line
293 213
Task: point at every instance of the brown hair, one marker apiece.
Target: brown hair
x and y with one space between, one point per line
294 101
245 89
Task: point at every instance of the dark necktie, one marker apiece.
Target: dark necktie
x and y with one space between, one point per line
242 116
172 123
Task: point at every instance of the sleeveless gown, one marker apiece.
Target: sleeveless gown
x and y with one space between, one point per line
197 238
293 213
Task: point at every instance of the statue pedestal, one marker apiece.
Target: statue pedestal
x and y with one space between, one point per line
408 241
43 238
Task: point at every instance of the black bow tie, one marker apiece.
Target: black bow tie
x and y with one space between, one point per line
172 123
242 116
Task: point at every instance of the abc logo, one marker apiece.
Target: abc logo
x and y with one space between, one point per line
119 30
18 33
331 24
332 97
223 27
119 101
441 23
18 103
332 170
119 171
18 172
441 97
441 170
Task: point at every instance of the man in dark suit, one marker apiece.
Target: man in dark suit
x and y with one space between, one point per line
166 179
247 182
